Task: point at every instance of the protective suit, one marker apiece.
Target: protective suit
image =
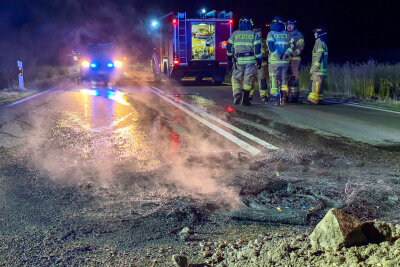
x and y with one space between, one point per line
294 61
262 73
244 56
318 66
280 47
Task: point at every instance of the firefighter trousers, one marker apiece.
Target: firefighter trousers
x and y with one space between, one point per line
278 78
262 75
316 95
243 77
293 74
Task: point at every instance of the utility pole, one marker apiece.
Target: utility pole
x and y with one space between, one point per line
20 75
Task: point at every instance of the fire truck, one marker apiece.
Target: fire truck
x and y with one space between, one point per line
191 47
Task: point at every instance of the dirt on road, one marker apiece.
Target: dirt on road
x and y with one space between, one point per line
75 194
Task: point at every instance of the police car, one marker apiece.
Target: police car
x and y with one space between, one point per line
100 64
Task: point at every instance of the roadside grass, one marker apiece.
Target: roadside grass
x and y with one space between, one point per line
369 82
10 95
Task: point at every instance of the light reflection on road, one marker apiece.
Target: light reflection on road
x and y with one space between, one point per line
114 130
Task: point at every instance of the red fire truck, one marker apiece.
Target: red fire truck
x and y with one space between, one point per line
191 47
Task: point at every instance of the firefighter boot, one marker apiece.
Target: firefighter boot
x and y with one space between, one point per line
246 98
237 99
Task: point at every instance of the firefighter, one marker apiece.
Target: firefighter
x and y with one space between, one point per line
280 46
244 56
263 71
318 65
294 60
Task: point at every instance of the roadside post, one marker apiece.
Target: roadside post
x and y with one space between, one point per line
20 75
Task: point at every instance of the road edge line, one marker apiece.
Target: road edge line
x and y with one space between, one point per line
239 131
30 97
251 149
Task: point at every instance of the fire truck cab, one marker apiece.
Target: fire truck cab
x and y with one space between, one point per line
191 47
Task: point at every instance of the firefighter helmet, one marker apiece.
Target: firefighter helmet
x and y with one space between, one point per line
292 21
277 24
245 23
321 31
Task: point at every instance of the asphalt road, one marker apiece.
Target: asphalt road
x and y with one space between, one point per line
364 124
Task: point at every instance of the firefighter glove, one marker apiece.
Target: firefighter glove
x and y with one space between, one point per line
230 64
259 63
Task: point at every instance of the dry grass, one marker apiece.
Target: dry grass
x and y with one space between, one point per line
370 80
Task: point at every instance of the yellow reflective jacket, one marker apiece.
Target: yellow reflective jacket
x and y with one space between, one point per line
298 40
264 52
319 62
242 42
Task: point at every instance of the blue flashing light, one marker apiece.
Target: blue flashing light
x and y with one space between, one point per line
154 23
110 65
203 11
93 65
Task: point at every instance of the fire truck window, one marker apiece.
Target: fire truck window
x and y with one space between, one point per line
203 41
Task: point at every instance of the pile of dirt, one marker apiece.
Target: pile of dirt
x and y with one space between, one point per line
381 248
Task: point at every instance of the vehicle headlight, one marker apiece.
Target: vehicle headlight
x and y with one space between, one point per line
85 64
118 63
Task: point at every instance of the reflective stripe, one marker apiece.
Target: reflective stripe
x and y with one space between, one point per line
300 41
259 56
242 43
282 43
298 51
230 41
320 50
257 42
295 58
247 87
246 62
279 62
246 58
317 64
271 39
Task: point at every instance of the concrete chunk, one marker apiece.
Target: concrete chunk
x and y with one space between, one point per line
335 230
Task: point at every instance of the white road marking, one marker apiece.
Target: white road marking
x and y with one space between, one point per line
204 113
30 97
251 149
224 123
353 104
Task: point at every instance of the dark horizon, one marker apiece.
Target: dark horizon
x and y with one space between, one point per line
42 32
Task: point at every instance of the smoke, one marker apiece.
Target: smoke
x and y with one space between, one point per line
78 139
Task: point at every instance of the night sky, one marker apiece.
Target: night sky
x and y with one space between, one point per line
41 31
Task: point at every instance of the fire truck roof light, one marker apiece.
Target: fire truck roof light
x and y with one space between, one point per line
176 61
154 23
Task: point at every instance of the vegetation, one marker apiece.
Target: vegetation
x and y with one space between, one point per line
368 81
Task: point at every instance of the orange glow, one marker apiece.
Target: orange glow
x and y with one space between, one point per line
174 21
85 64
118 63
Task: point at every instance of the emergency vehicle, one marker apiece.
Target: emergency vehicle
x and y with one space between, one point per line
191 47
100 63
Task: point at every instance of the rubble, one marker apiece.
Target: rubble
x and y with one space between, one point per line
180 261
337 229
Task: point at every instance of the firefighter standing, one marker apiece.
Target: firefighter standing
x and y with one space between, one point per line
294 60
263 71
318 65
244 55
280 47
